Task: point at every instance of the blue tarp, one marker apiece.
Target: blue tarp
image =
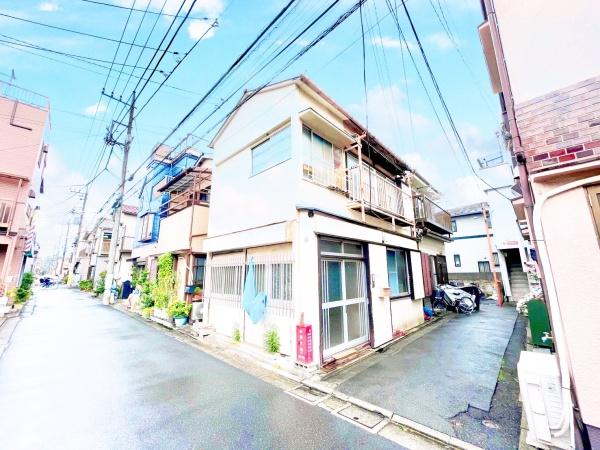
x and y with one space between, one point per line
253 303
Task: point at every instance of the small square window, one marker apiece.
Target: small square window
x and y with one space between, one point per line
456 260
484 266
454 226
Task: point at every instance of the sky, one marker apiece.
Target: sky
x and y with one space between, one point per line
396 107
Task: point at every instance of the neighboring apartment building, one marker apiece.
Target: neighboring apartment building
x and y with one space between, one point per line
473 234
24 116
92 258
173 215
543 62
325 213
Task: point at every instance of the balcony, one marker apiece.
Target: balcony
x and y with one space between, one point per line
432 216
127 243
379 194
22 95
5 213
191 187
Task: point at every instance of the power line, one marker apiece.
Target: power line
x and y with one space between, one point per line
82 33
443 101
149 12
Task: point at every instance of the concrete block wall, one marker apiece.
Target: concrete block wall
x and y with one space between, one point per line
562 127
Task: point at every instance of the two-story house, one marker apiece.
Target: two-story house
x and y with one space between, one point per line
324 214
24 116
173 215
474 237
92 257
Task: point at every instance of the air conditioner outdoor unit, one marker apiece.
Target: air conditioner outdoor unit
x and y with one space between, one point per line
546 403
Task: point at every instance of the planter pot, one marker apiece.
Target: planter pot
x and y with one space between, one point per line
180 321
161 314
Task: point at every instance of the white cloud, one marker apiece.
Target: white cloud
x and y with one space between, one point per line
96 108
388 42
200 29
441 41
203 8
48 6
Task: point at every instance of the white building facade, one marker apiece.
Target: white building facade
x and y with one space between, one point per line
325 214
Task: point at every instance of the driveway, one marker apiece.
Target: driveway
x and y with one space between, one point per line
79 375
438 374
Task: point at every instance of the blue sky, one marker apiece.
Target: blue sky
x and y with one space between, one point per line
399 112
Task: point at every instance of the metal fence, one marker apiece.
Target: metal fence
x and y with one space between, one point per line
23 95
273 274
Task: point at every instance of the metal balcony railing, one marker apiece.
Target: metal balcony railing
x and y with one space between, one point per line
379 193
22 95
428 212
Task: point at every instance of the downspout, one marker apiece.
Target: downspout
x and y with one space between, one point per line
491 256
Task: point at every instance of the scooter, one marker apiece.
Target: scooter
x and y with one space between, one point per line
446 297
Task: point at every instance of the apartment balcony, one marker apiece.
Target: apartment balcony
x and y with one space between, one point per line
379 195
6 207
432 216
127 243
22 95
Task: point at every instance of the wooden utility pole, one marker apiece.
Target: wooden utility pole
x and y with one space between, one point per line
64 252
491 256
114 240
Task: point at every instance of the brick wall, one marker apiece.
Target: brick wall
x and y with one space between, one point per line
562 127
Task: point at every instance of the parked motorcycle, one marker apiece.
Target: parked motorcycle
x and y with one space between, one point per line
471 289
446 297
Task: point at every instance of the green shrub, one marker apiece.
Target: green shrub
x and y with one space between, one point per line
86 285
23 292
164 290
100 285
272 341
237 337
179 309
147 311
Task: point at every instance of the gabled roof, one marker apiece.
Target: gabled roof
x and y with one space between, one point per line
350 122
466 210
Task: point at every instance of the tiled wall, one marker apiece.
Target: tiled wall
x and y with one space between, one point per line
562 127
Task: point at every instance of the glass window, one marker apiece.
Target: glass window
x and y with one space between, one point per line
333 285
331 246
456 260
454 226
198 270
275 150
323 162
484 266
496 259
352 248
397 266
281 281
352 279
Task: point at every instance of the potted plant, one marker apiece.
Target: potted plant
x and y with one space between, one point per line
197 294
189 289
179 311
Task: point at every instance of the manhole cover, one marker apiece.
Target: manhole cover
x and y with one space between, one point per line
334 403
362 416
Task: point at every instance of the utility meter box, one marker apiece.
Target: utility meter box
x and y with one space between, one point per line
304 344
546 403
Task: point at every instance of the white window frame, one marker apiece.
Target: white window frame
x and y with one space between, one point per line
407 271
284 154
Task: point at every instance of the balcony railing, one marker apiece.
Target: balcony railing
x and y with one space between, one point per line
181 200
127 243
429 213
23 95
379 193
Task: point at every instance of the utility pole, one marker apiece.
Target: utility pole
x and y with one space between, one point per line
106 297
64 252
491 255
79 229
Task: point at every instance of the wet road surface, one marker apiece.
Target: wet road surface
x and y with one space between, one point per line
79 375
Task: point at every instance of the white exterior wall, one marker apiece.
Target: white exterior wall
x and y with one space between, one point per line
541 59
472 249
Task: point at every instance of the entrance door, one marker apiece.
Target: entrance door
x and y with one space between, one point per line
345 320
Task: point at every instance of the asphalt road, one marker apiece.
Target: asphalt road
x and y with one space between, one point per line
79 375
440 373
